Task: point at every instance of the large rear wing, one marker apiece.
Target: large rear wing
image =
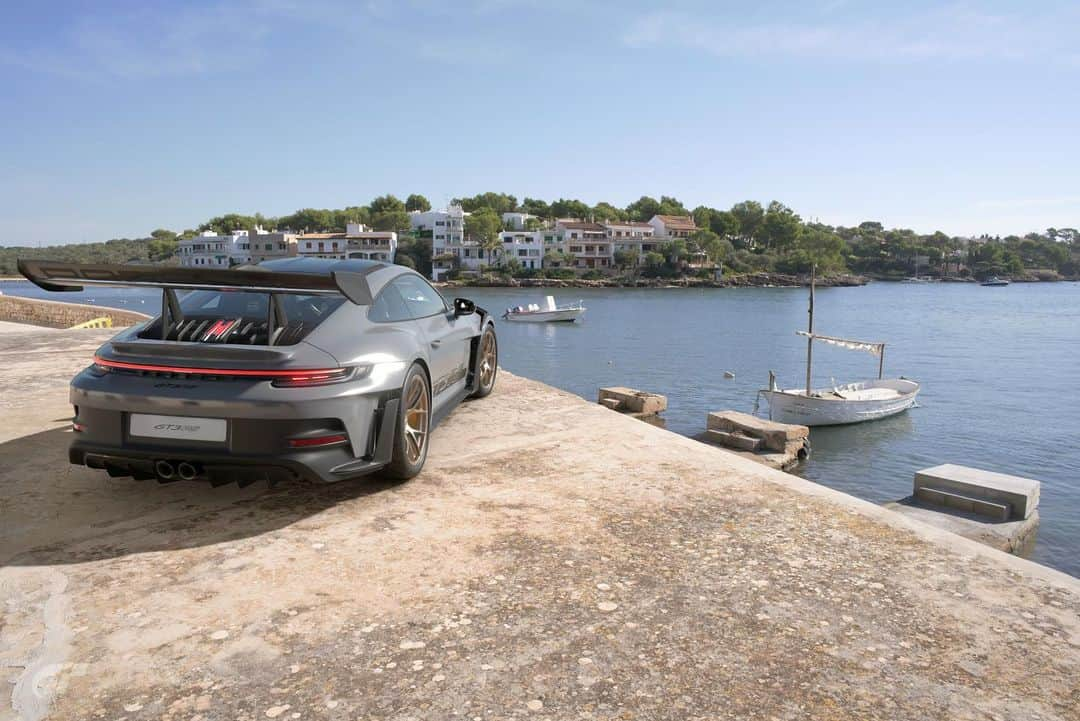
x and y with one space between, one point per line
54 276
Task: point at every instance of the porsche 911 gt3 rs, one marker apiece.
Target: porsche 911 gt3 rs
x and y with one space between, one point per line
294 368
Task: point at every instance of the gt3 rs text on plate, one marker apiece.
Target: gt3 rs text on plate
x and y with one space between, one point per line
178 427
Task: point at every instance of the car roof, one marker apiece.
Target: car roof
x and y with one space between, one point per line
377 272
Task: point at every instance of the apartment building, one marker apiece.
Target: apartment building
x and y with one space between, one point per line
358 241
673 226
587 242
632 235
527 247
210 250
271 245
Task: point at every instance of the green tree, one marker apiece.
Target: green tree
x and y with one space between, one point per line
780 227
417 202
564 208
724 223
671 206
749 214
388 213
386 204
498 202
712 245
643 209
162 245
483 227
539 208
602 212
625 259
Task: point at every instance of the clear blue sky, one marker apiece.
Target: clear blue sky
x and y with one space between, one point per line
120 117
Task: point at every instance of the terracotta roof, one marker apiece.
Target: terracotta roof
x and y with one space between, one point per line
577 225
628 224
678 222
320 236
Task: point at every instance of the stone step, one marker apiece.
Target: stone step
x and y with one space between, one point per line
631 400
775 436
1020 494
978 506
735 440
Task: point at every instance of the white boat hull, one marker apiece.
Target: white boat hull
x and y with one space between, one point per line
558 315
851 403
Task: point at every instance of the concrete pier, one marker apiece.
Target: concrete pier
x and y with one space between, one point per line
553 561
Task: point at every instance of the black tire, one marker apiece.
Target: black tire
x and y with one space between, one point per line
413 426
486 367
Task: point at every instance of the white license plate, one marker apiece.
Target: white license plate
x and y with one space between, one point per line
182 428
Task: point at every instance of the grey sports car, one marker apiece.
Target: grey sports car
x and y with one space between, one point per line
294 368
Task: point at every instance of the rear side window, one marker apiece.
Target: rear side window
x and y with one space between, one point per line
388 307
420 298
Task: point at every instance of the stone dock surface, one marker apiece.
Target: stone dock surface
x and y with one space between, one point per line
554 560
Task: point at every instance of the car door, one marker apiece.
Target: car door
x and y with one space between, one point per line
448 337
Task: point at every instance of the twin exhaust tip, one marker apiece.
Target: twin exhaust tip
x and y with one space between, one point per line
183 470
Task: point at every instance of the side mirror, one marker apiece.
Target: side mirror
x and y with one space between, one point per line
463 306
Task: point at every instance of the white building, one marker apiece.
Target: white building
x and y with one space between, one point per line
516 221
632 235
525 246
358 241
449 247
588 243
270 245
673 226
210 250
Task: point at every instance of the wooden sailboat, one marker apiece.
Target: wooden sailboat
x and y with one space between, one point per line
849 403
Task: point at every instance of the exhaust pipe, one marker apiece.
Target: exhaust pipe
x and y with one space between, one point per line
186 471
164 469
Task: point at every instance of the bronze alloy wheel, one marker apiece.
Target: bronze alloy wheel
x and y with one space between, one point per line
417 417
488 360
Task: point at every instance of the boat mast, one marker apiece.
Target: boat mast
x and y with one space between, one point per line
810 330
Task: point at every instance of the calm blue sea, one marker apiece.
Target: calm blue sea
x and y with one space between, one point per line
1000 370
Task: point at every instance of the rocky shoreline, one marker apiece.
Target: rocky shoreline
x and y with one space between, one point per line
746 280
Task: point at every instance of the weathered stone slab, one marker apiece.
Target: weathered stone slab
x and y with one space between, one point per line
775 436
735 440
1020 494
977 506
631 400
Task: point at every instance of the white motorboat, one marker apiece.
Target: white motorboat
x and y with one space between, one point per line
550 313
849 403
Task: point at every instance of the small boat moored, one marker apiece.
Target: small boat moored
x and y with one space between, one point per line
994 282
551 313
848 403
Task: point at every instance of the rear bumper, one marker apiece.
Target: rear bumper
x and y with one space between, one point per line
323 466
256 446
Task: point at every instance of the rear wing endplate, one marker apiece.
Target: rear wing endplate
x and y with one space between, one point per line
55 276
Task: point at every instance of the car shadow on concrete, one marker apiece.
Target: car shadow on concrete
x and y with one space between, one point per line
54 513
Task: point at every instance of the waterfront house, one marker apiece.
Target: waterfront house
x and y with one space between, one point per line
210 250
527 247
587 242
516 221
270 245
632 235
673 226
449 246
358 241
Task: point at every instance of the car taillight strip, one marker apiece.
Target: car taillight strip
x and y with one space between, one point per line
296 374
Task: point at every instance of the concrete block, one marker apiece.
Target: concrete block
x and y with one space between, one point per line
634 401
979 507
735 440
612 403
775 436
1020 494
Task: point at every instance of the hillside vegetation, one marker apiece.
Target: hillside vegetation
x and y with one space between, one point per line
747 237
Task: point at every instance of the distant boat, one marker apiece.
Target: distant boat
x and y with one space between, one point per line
849 403
994 281
551 313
